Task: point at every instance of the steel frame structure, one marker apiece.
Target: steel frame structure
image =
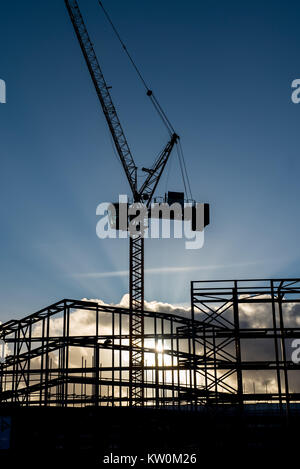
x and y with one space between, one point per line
235 316
188 361
49 365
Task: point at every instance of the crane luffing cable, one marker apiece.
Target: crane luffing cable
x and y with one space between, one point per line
149 92
156 105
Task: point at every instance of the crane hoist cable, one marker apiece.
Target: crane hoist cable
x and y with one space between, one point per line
181 167
149 92
184 174
168 174
185 170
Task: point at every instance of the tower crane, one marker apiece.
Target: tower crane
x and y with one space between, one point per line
142 193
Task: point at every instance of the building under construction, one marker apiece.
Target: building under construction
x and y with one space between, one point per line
200 360
195 364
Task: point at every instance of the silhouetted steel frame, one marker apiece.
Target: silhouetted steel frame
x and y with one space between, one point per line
25 384
197 347
230 294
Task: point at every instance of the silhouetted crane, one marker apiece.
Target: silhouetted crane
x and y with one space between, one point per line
143 193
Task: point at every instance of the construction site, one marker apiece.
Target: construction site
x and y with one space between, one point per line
171 380
192 369
185 362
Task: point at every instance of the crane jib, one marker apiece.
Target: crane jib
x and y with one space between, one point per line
103 94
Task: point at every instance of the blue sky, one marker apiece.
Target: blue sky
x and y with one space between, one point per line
221 70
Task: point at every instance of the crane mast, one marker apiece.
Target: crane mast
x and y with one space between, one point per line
146 192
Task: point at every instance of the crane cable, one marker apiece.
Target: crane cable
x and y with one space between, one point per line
156 105
149 92
185 170
181 168
184 174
